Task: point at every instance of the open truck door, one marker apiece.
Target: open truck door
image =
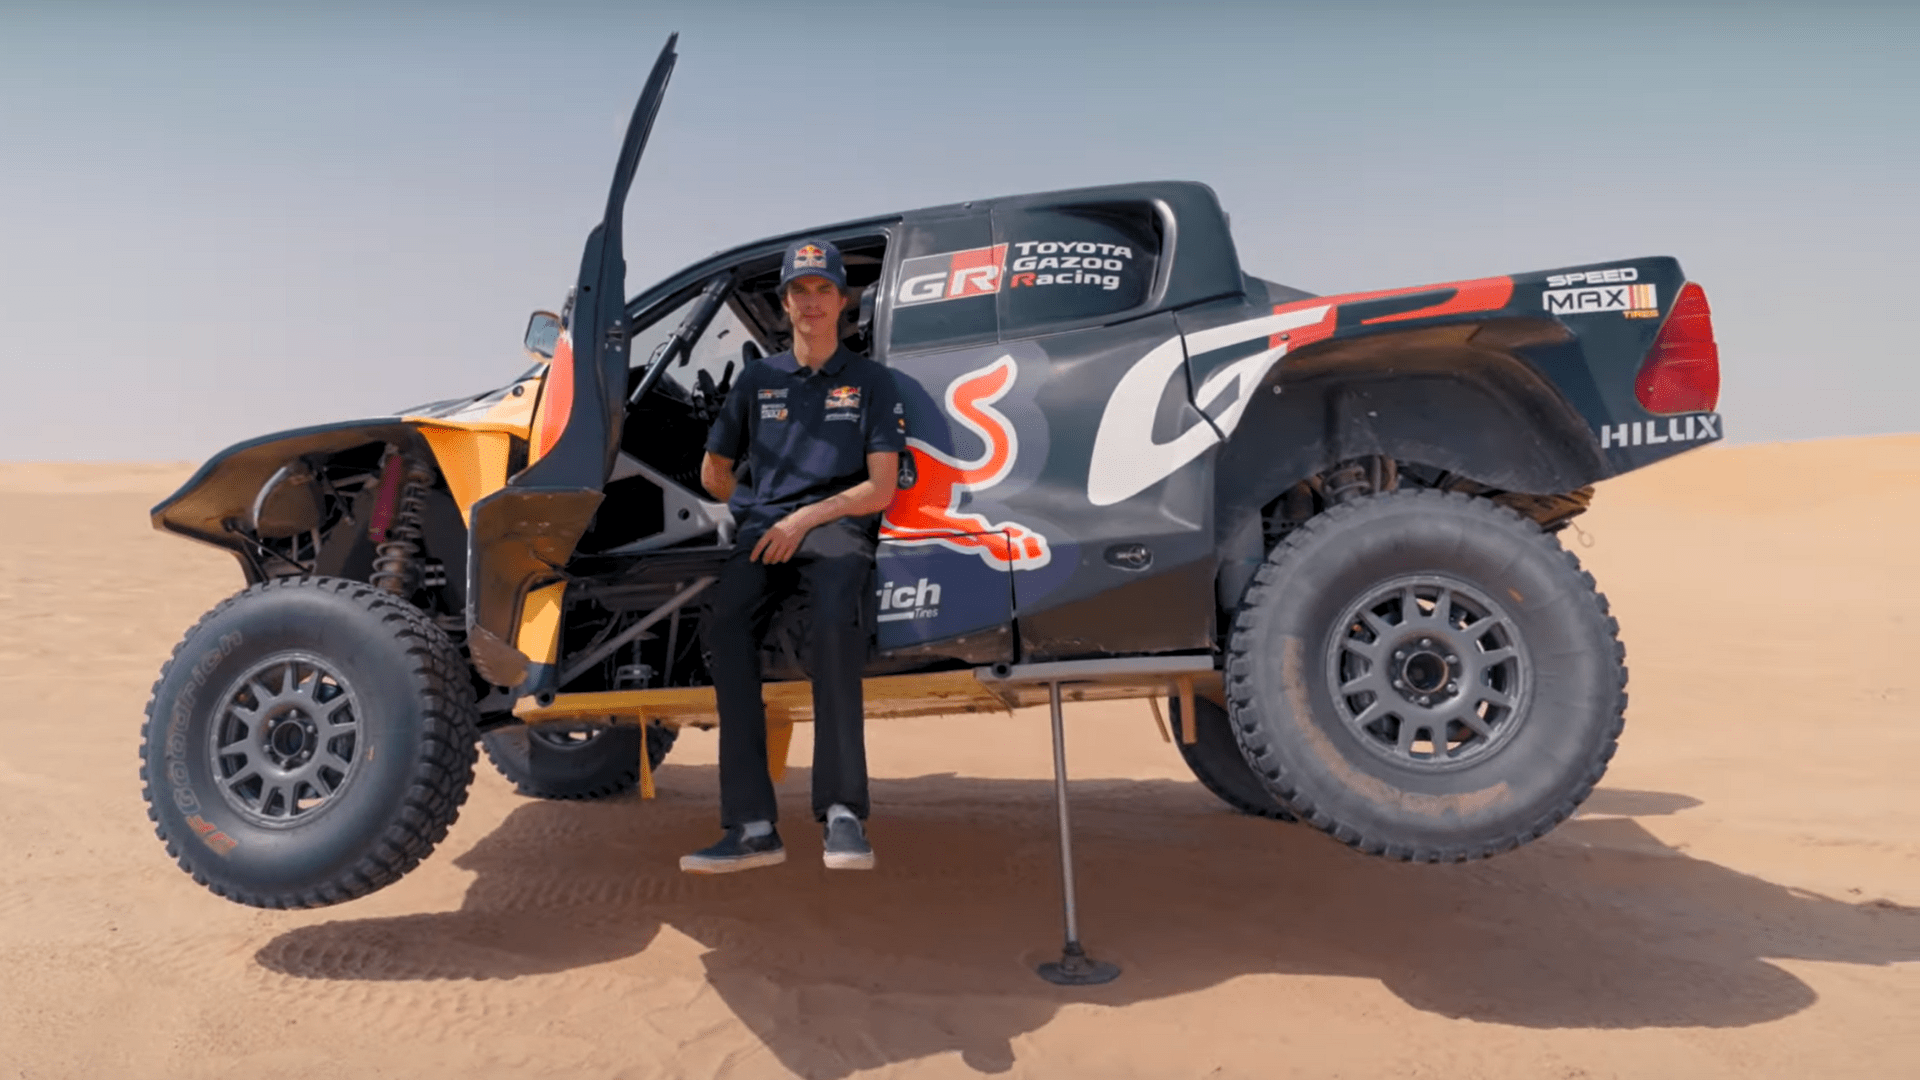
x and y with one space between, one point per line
521 536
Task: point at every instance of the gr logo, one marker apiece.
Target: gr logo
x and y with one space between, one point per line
952 275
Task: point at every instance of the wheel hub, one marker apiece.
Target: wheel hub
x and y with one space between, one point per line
290 739
286 740
1425 673
1428 671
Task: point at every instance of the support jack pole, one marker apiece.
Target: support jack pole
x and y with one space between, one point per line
1075 967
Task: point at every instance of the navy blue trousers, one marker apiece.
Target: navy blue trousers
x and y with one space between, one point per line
833 570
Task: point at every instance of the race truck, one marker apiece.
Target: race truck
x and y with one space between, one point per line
1321 529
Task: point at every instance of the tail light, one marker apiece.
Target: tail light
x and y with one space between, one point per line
1682 371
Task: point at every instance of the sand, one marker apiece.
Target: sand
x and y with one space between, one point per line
1741 898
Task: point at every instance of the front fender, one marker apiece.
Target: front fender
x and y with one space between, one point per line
220 494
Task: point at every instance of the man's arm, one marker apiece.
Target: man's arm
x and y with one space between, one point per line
869 496
727 440
716 475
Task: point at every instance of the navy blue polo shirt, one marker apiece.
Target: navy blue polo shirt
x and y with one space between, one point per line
805 434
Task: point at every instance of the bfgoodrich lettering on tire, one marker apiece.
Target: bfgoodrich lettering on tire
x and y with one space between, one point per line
1426 676
310 741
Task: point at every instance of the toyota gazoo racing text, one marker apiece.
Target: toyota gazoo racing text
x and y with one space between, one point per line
1321 528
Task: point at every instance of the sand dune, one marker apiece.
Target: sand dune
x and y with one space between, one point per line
1741 898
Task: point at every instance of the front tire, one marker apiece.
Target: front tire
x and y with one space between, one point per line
309 741
1426 676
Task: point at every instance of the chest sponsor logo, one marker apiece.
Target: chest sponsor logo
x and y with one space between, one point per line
774 394
843 403
773 412
952 275
914 600
1632 299
930 514
1673 429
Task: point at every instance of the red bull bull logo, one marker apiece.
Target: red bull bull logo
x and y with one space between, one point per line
809 256
928 512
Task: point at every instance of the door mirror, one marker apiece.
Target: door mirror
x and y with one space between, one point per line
543 334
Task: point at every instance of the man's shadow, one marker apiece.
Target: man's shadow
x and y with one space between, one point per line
1597 925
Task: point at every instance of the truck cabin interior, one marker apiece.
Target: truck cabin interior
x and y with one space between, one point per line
665 433
657 531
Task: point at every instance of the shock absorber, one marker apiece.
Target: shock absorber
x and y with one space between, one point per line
1361 476
396 562
1348 480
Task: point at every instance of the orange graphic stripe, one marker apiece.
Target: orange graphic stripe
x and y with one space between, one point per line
1456 298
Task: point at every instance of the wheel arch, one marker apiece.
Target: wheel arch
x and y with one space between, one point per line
215 505
1460 398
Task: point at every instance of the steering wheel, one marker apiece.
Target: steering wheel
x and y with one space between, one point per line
708 395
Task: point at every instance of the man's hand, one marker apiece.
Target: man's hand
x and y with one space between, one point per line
869 496
778 544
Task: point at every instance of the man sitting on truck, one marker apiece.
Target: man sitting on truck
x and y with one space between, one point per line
821 429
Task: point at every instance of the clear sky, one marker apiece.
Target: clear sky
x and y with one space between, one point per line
220 220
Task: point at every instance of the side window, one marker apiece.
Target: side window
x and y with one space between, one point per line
1075 264
942 291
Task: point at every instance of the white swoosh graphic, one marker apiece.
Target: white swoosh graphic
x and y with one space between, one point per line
1126 460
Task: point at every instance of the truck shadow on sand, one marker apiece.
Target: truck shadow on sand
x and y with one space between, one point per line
1597 925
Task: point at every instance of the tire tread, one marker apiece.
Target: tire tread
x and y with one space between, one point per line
1253 742
440 779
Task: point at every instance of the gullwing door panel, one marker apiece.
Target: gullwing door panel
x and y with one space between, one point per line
522 535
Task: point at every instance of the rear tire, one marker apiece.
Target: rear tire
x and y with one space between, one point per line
550 761
1217 763
309 741
1426 676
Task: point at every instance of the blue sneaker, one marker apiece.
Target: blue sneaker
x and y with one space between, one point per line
736 851
846 845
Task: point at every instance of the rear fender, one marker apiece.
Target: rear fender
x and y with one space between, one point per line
1456 397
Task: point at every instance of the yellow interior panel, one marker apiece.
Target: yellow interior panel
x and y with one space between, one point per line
473 460
539 636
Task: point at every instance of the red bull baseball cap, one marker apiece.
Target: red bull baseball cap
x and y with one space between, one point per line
817 257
